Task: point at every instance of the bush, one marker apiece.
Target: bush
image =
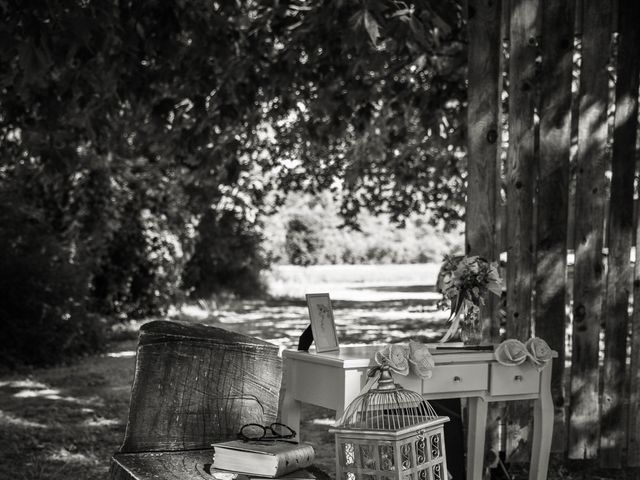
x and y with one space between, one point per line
377 240
303 241
228 257
141 270
43 316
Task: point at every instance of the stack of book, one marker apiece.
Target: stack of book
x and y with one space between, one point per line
273 459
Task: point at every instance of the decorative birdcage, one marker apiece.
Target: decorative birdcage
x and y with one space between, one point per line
389 433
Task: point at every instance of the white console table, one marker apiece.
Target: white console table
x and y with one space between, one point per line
333 379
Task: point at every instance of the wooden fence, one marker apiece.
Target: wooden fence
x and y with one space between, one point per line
553 133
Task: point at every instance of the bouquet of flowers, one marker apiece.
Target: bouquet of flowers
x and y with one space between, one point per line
464 282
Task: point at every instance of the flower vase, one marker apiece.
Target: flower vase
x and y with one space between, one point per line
470 326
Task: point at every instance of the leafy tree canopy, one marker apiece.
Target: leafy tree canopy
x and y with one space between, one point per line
123 124
214 103
368 97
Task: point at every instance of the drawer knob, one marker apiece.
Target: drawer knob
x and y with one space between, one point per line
518 378
457 379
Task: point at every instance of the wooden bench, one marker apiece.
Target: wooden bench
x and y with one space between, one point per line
194 385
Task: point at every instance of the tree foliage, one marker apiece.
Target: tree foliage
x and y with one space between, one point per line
303 240
228 253
130 130
368 98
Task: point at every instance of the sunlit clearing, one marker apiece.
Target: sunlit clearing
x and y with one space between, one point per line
64 455
100 422
124 354
195 311
27 383
36 393
6 419
53 394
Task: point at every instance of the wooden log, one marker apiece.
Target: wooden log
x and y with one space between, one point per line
521 164
188 465
589 285
195 385
620 233
553 192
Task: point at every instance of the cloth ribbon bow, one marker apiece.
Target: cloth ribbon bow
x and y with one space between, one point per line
514 352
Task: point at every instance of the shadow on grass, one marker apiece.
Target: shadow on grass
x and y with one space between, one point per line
64 422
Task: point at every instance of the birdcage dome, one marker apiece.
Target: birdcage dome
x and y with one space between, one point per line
386 406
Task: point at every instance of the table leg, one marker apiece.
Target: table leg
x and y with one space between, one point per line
291 414
475 437
542 428
289 407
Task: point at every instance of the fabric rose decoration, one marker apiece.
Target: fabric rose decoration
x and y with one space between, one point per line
421 361
511 352
395 356
416 359
514 352
539 352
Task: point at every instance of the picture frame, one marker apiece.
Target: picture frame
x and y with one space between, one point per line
323 324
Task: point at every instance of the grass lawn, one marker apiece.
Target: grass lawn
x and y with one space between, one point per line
65 422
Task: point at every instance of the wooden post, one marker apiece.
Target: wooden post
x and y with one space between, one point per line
612 424
553 191
483 138
633 439
520 191
483 114
521 167
589 218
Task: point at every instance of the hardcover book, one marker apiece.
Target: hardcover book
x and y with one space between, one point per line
302 474
265 459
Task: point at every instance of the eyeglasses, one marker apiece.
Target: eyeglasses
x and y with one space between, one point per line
257 432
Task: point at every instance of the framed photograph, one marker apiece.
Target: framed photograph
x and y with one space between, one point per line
322 323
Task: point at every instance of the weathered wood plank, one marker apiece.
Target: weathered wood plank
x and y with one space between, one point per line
589 217
483 138
521 163
553 191
620 233
633 439
483 181
521 167
195 385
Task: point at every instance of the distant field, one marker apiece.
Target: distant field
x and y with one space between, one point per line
291 280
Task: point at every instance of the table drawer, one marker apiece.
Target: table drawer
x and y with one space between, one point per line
457 378
514 380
